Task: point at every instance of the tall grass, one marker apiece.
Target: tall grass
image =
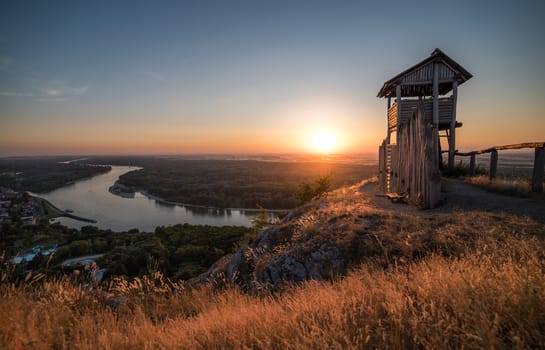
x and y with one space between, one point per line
511 187
461 169
491 296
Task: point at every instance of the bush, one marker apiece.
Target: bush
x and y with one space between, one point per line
462 169
260 221
315 189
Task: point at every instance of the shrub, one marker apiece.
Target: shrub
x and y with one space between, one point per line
260 221
313 190
462 169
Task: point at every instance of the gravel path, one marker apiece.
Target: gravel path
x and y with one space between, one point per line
461 196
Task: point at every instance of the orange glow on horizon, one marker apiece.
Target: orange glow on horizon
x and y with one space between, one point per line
289 134
322 141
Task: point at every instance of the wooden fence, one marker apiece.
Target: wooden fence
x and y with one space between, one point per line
539 161
411 168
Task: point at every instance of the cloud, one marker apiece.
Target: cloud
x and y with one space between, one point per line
59 91
53 92
16 94
156 76
56 91
62 90
51 99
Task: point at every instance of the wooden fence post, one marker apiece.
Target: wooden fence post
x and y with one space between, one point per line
472 165
452 138
539 164
493 164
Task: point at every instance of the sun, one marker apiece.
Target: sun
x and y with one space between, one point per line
324 141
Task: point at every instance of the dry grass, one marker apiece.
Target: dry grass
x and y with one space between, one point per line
512 187
492 296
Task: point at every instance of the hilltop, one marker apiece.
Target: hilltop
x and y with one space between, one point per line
340 272
352 225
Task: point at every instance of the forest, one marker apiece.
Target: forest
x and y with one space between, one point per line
44 174
269 182
235 183
179 251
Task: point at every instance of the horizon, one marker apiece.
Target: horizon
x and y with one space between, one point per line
244 78
201 154
190 154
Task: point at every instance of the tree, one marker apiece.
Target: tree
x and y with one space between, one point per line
315 189
261 220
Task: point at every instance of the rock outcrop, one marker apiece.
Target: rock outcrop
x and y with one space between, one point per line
314 241
329 237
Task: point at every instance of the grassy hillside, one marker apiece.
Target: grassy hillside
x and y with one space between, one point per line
467 280
492 296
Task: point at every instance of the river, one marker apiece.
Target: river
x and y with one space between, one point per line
91 199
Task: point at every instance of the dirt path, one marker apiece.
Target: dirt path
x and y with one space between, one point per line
461 196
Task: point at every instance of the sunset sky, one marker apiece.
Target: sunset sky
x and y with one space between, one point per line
158 77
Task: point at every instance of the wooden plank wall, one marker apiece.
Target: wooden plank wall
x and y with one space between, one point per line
392 117
419 81
408 106
424 74
415 169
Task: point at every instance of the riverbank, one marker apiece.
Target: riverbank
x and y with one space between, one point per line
51 212
44 175
93 199
187 205
124 191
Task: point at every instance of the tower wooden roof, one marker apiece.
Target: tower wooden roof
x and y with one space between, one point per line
418 80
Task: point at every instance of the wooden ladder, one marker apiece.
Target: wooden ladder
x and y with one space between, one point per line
388 168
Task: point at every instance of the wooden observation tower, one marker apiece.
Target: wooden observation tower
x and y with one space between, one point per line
423 111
